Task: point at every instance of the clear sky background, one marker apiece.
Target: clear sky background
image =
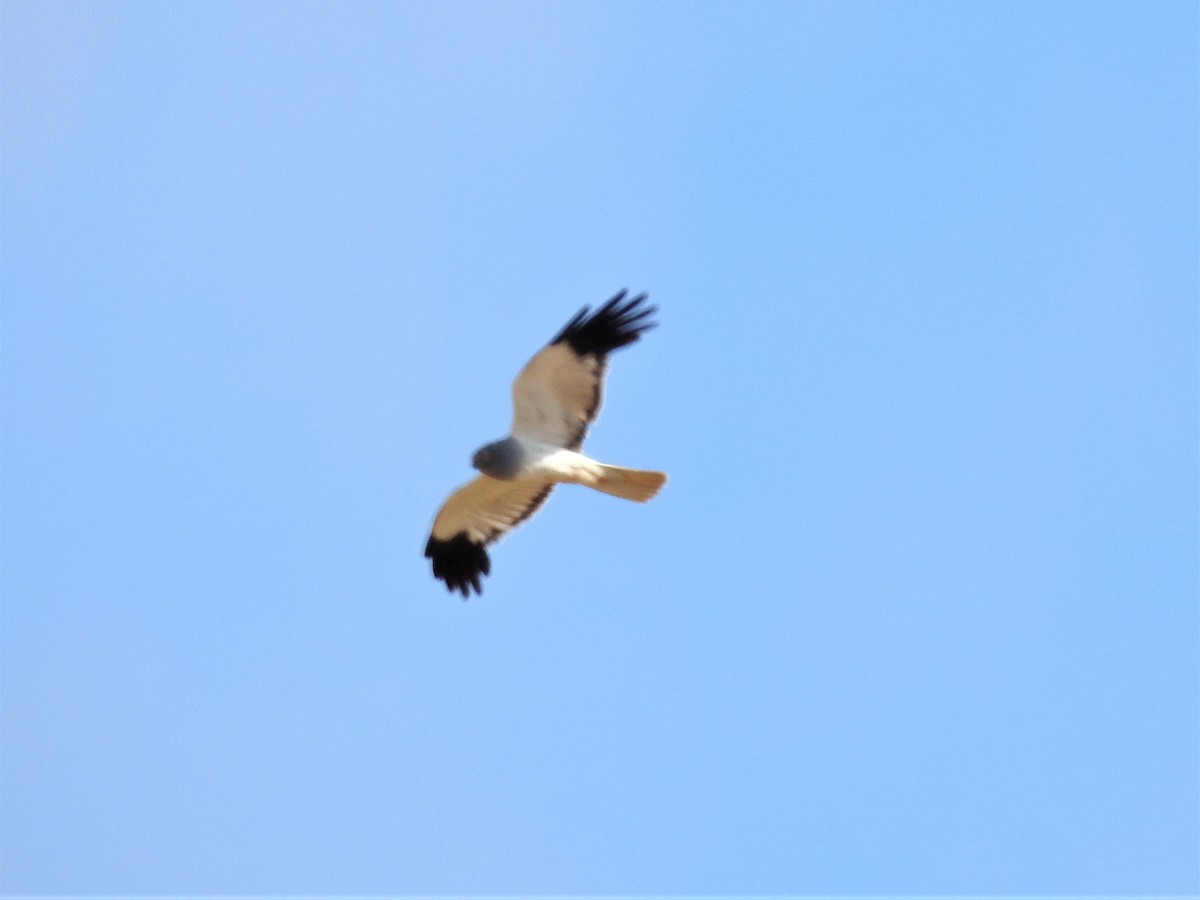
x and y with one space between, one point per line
917 611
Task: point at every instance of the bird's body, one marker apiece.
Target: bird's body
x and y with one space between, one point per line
555 398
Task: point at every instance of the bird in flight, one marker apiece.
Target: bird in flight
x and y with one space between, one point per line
555 398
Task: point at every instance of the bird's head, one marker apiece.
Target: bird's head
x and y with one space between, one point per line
482 458
499 459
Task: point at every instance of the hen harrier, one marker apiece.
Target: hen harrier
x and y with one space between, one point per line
555 398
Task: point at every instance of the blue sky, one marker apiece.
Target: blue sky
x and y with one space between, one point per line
917 612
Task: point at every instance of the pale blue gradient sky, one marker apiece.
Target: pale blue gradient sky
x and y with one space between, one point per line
917 612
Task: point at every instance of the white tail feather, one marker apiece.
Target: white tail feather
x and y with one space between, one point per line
631 484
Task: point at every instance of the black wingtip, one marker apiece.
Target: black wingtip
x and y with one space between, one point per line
459 562
616 324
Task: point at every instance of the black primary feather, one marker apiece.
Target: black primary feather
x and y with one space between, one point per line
616 324
459 562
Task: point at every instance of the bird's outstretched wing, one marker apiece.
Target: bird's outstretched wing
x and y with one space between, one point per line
557 395
478 513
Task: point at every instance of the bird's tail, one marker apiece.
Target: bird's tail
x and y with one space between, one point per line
632 484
